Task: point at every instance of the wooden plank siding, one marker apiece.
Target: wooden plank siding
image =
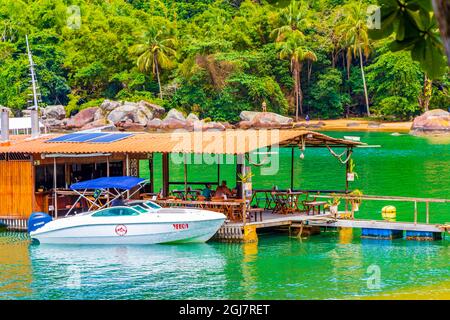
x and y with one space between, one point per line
16 188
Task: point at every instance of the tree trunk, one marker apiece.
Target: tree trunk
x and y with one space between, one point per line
425 96
300 91
295 75
364 81
155 61
442 12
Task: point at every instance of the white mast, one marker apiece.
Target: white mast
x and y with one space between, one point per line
35 130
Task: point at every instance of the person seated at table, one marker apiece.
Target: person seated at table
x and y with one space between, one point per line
117 202
223 190
207 192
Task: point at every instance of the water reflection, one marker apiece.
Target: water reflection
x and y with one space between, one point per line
116 272
15 270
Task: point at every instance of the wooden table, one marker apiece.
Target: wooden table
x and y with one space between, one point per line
227 207
182 194
286 202
312 205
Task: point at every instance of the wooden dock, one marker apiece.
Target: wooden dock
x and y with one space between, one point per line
236 230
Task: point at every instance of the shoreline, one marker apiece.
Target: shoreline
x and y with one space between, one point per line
360 125
425 292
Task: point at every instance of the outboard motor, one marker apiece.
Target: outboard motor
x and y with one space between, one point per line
38 220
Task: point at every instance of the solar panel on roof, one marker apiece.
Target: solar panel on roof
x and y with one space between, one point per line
65 137
95 137
86 137
111 138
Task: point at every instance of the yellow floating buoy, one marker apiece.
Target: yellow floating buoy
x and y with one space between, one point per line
389 213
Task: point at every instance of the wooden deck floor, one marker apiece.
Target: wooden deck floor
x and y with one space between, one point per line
326 220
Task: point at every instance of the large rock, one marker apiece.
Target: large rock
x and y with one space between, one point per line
108 105
157 110
213 126
192 117
154 124
82 118
175 114
173 123
433 121
54 112
55 124
95 124
252 119
129 125
248 115
130 112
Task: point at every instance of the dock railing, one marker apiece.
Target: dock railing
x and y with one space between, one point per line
348 198
427 201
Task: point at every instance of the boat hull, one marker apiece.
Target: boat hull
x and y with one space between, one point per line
129 231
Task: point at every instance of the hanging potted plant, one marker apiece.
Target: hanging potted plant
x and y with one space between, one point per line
351 174
333 205
356 199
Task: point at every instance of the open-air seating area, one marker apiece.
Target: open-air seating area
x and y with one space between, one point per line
272 203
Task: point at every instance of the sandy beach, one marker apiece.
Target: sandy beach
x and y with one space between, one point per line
360 125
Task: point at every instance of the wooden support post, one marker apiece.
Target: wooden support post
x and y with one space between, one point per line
128 173
415 212
218 170
347 169
185 175
55 182
292 169
165 169
107 174
107 166
238 183
427 204
151 177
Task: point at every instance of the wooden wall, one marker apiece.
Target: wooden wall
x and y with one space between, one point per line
16 188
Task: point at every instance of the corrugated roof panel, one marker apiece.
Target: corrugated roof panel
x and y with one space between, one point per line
220 142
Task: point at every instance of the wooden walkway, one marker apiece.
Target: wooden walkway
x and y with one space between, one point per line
233 230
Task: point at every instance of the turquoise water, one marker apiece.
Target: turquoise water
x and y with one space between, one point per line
332 265
329 266
404 165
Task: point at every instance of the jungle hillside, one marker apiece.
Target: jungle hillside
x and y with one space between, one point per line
216 58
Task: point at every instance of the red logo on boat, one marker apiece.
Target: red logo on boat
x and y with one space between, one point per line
121 230
180 226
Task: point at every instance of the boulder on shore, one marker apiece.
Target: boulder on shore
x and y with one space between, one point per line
253 119
155 109
56 112
175 114
154 124
433 121
82 118
136 113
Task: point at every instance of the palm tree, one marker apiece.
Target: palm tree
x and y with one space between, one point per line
293 48
354 36
157 52
293 17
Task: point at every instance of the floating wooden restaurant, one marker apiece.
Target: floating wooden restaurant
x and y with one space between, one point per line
36 172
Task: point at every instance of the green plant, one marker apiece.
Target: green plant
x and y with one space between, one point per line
335 201
351 167
356 196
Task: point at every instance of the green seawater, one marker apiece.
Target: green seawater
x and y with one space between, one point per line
332 265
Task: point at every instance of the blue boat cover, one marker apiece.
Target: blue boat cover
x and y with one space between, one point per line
124 183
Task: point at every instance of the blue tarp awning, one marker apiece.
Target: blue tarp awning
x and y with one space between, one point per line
124 183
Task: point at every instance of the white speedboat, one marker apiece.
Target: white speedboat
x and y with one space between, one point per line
138 222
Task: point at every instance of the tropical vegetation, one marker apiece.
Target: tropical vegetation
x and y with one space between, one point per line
218 57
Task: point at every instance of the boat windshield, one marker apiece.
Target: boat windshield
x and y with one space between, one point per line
140 208
116 211
152 205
